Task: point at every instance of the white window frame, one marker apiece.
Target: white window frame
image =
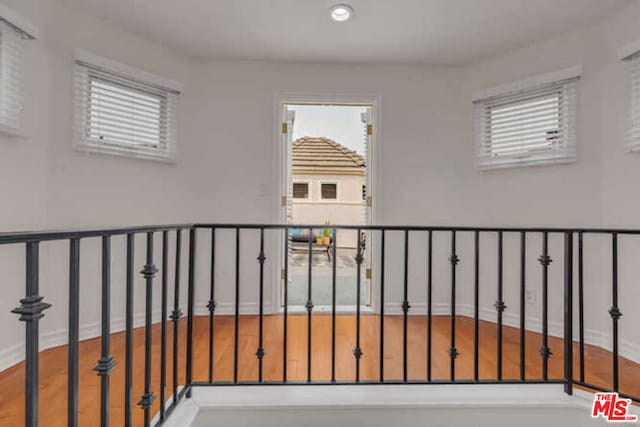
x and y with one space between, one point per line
299 199
87 67
631 54
321 183
564 82
13 79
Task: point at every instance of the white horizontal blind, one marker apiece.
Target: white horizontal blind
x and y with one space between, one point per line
11 72
634 137
119 115
533 126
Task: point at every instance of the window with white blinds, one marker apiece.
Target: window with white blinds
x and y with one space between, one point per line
11 77
634 136
119 114
530 126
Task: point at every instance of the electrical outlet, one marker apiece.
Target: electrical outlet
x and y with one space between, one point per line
530 296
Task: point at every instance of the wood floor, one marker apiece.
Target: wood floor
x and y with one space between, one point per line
53 362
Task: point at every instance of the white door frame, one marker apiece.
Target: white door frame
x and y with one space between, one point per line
283 98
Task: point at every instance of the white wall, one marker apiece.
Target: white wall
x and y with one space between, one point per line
63 187
421 147
225 171
597 190
46 184
426 166
236 115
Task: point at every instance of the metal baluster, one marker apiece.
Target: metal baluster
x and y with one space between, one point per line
333 305
106 362
190 302
237 309
405 305
568 313
523 293
176 314
309 306
381 306
31 311
429 303
74 333
453 352
286 304
357 352
476 303
615 312
148 272
260 352
211 304
581 302
545 351
163 324
500 307
128 388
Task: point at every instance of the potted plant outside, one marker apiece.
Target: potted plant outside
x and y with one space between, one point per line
327 234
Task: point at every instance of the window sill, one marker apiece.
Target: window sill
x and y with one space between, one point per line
325 202
161 157
506 163
12 132
633 147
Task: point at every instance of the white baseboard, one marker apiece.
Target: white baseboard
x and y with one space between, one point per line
14 354
628 349
229 308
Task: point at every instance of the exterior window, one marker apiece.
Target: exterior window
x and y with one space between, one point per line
527 127
329 191
300 190
11 76
118 114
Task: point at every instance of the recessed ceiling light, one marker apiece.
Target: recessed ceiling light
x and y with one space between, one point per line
341 12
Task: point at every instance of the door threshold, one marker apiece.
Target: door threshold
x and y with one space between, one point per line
326 309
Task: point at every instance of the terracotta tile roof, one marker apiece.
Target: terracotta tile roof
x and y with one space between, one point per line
322 156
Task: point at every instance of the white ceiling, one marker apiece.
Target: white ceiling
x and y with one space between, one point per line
447 32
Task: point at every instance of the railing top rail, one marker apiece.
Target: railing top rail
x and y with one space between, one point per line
27 236
423 228
44 235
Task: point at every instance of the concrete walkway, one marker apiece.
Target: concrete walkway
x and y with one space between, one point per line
322 268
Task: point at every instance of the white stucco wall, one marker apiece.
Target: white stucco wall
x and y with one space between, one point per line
346 209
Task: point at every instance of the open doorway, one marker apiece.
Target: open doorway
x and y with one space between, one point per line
327 181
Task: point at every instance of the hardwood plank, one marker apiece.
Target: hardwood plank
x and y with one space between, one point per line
53 362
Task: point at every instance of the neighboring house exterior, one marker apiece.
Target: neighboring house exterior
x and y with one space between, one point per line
328 185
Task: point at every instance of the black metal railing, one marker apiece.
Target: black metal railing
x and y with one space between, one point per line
32 307
32 310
